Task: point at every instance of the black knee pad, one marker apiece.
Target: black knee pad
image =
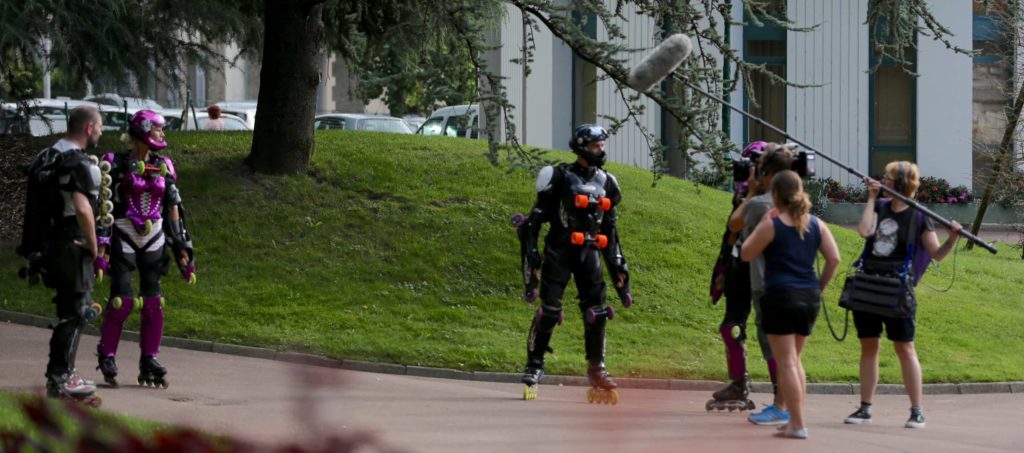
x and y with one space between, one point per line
598 313
547 318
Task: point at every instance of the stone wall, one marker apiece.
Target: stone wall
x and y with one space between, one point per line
991 82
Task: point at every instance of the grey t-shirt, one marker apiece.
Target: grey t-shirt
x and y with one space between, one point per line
753 212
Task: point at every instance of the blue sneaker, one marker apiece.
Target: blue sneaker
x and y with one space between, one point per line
770 415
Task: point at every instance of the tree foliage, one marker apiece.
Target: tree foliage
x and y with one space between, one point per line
118 40
419 52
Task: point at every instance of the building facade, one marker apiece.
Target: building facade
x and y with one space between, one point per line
945 118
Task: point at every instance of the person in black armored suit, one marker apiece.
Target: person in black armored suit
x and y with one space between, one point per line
579 201
59 240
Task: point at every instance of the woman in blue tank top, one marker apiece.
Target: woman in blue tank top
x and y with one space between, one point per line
790 238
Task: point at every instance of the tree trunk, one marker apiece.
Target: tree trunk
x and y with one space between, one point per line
292 44
1005 158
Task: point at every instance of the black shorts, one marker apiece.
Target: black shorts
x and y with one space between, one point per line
869 325
790 311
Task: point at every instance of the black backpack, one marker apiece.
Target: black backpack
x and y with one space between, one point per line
44 208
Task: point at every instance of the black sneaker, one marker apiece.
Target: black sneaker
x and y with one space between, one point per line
916 419
861 416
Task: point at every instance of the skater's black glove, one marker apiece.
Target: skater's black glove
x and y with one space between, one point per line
622 287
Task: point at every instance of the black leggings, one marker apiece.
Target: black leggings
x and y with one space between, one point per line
151 266
64 340
737 294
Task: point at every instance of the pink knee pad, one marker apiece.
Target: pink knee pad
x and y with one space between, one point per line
117 312
151 329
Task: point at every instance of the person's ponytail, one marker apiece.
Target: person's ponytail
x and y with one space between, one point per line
788 190
799 208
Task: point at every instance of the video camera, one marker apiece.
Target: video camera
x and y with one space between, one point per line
742 167
803 165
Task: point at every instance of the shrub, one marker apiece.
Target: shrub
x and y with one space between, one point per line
931 190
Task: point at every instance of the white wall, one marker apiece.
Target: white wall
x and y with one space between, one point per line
511 45
944 98
548 112
234 77
738 43
834 117
628 145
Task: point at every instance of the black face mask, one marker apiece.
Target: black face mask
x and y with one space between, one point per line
596 160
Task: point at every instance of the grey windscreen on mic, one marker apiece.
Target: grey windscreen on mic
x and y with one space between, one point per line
660 63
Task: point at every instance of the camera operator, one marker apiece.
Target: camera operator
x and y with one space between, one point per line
731 278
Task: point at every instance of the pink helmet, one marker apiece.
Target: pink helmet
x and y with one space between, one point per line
755 149
142 124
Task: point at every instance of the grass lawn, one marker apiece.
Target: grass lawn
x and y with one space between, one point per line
13 419
398 249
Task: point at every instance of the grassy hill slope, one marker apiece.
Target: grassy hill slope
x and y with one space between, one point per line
398 249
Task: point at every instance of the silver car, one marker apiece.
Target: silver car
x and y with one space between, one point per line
361 122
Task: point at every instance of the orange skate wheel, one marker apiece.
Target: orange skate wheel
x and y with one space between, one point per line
604 204
582 201
577 238
602 241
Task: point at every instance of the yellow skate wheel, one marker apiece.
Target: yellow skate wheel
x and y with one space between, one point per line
613 397
529 392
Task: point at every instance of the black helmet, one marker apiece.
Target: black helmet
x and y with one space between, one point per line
584 135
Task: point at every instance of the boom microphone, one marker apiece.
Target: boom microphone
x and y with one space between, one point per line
660 63
664 60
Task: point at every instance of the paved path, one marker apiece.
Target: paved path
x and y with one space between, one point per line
267 401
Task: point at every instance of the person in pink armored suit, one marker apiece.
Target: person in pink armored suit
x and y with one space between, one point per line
140 217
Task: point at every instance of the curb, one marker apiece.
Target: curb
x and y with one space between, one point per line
966 388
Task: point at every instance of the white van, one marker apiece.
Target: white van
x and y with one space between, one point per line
453 121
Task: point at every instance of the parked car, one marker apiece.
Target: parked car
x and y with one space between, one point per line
56 111
134 104
361 122
37 125
246 110
174 122
414 121
453 121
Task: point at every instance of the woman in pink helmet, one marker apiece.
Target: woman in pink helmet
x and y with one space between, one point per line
140 217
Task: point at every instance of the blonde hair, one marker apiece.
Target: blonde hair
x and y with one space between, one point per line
128 140
789 196
904 175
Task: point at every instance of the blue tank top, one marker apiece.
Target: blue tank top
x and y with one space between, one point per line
789 260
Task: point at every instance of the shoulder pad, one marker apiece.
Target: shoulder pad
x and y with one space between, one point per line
170 167
612 188
545 179
84 173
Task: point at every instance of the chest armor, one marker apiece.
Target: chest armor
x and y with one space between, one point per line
142 191
584 201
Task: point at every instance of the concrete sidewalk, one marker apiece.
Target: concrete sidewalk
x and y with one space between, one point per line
274 401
